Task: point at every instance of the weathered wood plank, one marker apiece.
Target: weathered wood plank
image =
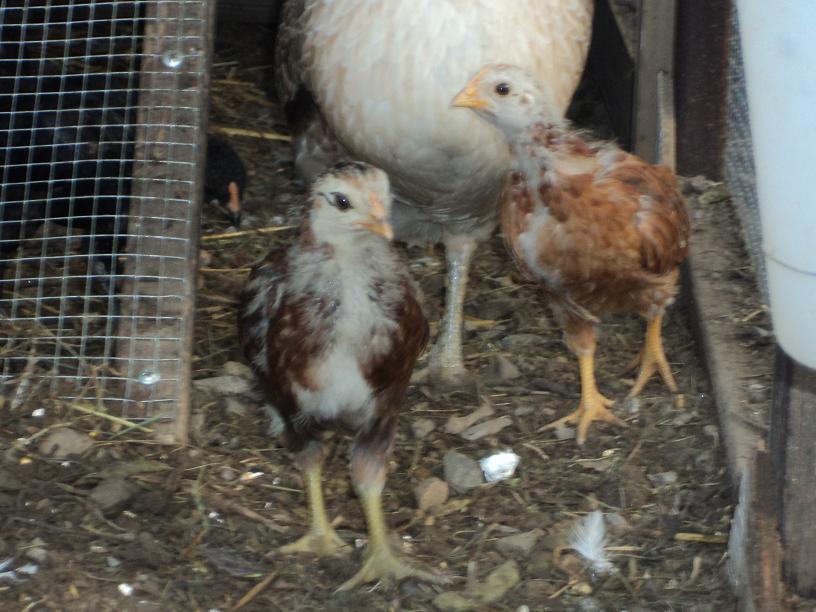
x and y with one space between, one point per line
157 302
793 448
655 56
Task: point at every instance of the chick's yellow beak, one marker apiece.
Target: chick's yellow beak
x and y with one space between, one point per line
377 221
469 97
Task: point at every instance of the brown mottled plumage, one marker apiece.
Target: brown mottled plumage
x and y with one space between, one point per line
600 229
333 327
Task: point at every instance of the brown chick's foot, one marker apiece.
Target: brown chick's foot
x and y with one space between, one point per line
652 359
383 563
593 407
320 543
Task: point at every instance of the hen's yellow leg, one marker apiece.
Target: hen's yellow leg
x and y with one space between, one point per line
653 358
321 539
593 406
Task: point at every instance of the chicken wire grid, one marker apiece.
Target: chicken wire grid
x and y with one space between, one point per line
102 109
740 174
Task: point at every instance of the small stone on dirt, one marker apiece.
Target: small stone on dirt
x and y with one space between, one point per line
431 493
515 341
564 433
228 474
236 368
519 544
64 442
457 425
663 479
501 369
491 590
236 406
684 418
422 428
9 482
36 550
488 428
461 472
223 385
113 495
497 583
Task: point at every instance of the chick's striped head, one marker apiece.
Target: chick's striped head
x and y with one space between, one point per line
350 202
505 95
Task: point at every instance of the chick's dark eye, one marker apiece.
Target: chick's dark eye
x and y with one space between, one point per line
341 202
502 89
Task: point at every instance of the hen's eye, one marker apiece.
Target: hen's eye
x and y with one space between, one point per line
502 89
341 202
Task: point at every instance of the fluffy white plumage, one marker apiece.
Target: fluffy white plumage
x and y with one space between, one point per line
589 539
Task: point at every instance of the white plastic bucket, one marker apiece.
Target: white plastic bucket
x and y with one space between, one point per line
779 53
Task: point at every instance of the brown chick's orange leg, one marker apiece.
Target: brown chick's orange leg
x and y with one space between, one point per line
593 406
321 539
653 358
382 562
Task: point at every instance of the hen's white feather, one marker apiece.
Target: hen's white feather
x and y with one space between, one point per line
588 540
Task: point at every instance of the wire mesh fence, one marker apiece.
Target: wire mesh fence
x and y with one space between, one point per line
101 110
739 159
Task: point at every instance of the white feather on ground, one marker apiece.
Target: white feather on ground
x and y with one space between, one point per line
588 540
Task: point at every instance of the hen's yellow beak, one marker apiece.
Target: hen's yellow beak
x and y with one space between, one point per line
377 221
469 97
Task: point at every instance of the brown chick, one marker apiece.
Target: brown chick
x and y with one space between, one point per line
601 230
332 328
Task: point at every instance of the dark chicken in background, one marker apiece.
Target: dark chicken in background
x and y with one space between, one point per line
332 328
66 152
601 230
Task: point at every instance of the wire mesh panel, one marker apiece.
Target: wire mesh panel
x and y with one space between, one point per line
739 159
100 137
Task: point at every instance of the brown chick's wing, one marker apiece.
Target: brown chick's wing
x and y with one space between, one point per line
661 217
391 372
281 334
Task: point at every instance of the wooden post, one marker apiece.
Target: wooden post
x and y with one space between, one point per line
157 300
655 57
762 590
793 452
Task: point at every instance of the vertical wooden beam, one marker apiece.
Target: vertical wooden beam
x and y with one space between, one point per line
763 590
655 57
701 68
793 451
157 298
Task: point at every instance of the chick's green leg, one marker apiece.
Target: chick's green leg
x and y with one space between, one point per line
321 539
382 562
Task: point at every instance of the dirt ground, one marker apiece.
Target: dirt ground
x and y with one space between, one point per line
197 529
